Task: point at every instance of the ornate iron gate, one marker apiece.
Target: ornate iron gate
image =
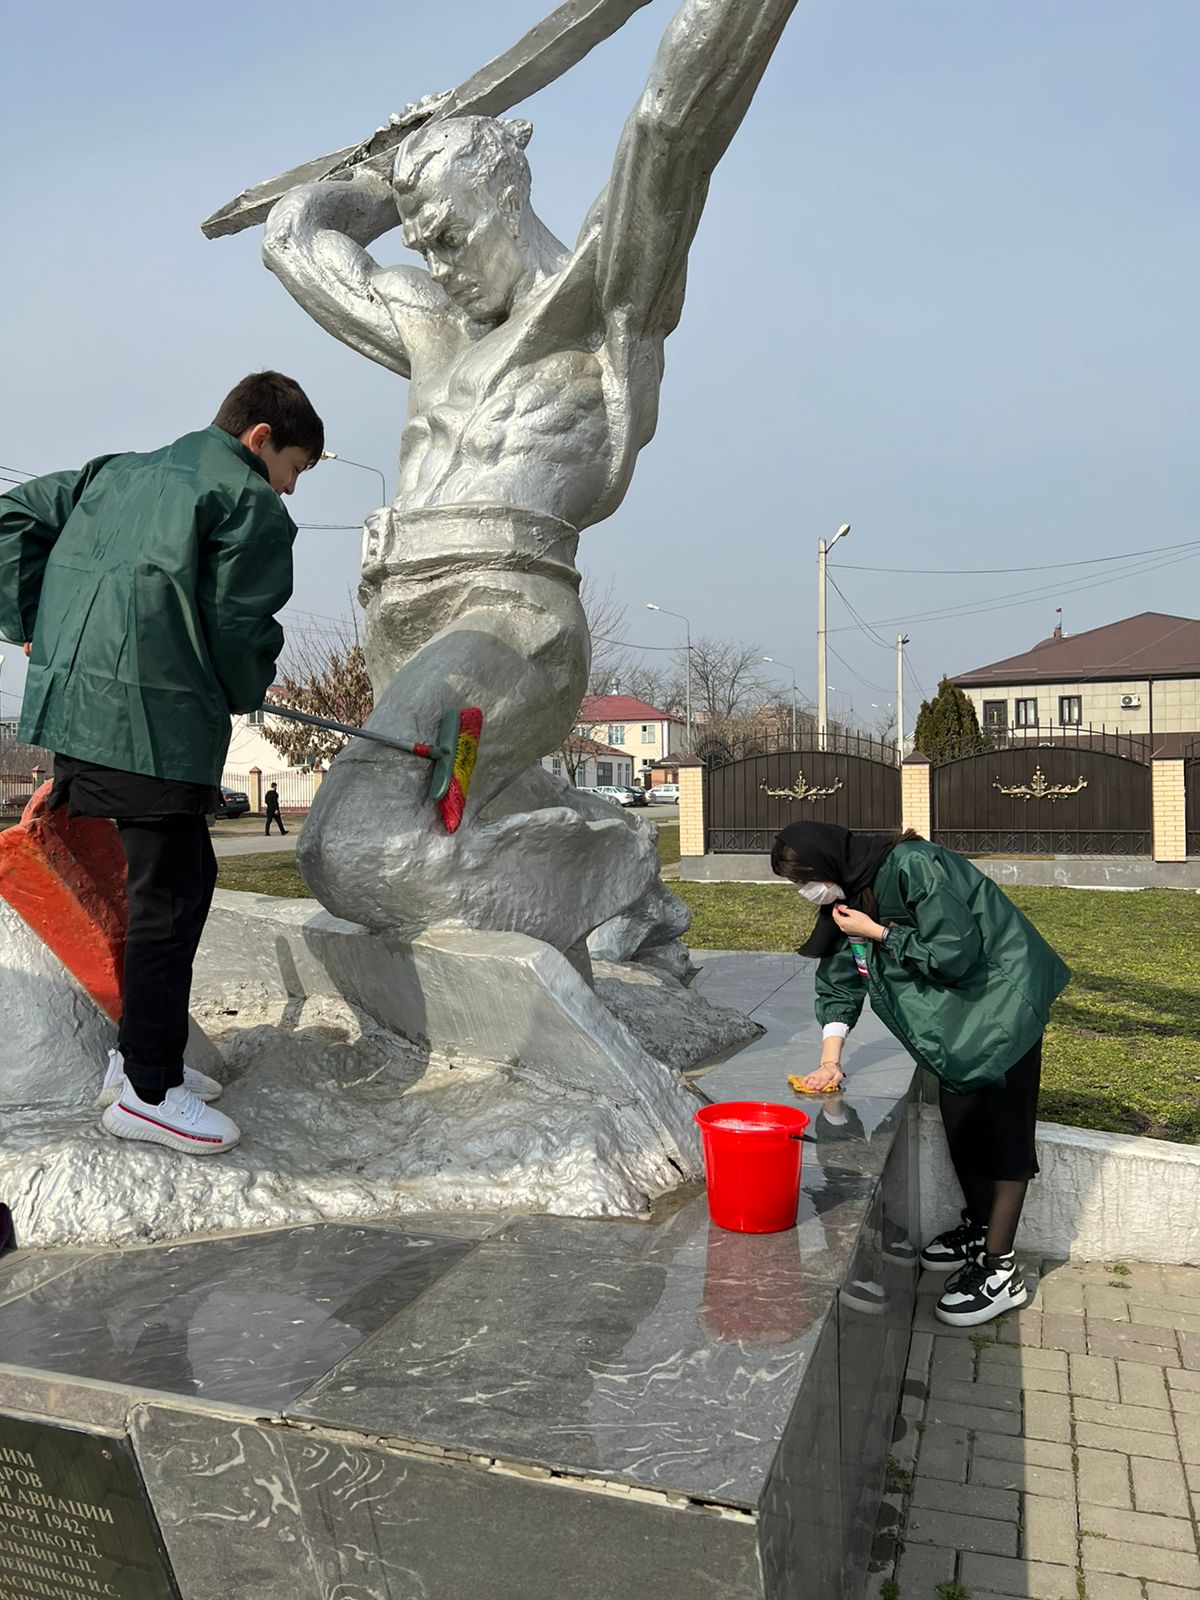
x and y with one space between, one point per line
1191 779
1085 795
747 801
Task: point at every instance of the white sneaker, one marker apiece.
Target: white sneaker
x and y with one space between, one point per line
182 1122
204 1088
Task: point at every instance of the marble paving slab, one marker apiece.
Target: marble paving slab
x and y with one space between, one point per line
671 1377
23 1270
253 1319
250 1511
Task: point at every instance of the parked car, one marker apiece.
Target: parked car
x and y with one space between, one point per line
14 804
607 791
233 803
667 793
637 797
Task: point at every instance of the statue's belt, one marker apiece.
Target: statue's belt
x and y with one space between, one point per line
453 540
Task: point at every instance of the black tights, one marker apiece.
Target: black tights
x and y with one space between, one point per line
989 1131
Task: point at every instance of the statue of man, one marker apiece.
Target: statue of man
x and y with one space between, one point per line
535 372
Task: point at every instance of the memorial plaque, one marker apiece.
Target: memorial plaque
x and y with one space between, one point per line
74 1518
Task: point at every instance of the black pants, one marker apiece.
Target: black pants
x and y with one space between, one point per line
172 874
991 1130
274 817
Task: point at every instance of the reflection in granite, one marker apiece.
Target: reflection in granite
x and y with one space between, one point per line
283 1516
667 1376
800 1515
23 1270
875 1310
253 1320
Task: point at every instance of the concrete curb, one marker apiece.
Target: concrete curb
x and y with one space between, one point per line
1100 1196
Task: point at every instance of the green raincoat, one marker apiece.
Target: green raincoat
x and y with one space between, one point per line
964 981
148 585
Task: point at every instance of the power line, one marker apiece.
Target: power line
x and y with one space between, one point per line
865 626
667 649
866 682
1055 566
1021 597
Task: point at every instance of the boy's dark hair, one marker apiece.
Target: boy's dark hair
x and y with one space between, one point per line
270 397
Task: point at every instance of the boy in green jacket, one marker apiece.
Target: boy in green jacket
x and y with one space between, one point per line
148 586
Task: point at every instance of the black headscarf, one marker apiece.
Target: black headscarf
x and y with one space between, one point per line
835 855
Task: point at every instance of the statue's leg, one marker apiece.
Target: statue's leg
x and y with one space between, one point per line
374 849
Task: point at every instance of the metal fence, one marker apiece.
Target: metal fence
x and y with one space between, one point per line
748 801
297 789
1132 746
15 790
1191 780
1061 792
717 749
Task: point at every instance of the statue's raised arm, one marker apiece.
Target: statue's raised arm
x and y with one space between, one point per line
700 86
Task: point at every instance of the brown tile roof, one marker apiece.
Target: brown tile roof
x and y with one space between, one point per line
1150 645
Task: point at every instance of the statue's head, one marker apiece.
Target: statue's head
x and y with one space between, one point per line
462 190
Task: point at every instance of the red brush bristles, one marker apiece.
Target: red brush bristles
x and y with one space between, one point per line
470 728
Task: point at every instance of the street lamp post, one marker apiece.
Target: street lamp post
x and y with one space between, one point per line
688 672
823 550
332 455
901 641
792 670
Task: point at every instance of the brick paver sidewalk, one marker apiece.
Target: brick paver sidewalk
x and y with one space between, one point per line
1054 1454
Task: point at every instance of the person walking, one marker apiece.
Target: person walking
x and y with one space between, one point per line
965 982
148 585
271 800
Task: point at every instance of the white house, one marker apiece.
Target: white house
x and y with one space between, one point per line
594 764
631 727
249 748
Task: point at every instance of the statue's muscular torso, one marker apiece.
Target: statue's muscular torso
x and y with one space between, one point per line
509 415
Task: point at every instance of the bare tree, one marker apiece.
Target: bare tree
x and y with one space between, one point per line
727 678
324 672
607 626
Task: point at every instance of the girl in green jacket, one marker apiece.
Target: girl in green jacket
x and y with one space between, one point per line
965 983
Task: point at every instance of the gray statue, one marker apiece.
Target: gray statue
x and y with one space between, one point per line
535 371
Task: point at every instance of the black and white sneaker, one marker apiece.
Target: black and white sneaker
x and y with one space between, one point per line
983 1289
954 1248
865 1295
896 1245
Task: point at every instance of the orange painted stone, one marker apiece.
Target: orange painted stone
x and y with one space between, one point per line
65 877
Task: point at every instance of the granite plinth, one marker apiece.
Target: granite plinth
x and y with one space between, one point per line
514 1407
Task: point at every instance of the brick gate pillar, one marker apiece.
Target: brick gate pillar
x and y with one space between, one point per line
691 807
256 789
1168 810
916 801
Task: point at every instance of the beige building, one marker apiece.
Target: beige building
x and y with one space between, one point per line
637 730
1139 676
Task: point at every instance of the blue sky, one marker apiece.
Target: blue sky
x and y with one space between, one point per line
944 290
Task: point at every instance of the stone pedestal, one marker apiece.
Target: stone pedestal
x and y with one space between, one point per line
513 1408
371 1077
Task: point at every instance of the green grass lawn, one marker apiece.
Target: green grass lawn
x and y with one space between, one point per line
1123 1045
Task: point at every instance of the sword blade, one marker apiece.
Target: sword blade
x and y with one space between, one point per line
550 48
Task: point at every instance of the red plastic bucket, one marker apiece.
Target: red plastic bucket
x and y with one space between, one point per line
752 1164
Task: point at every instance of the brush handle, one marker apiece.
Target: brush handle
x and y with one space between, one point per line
430 752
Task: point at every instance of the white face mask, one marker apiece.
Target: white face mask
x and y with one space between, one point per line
822 894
